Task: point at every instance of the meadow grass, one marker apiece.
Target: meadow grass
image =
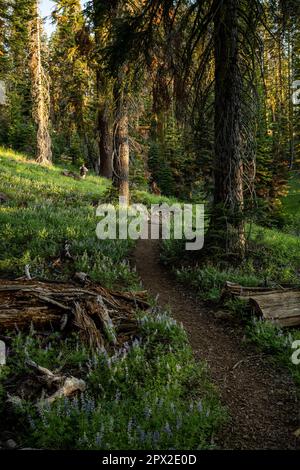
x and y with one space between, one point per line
44 210
151 394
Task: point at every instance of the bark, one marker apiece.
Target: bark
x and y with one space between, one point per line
40 92
102 317
228 170
121 145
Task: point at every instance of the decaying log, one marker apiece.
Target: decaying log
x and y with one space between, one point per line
279 306
231 289
101 316
66 386
87 327
282 308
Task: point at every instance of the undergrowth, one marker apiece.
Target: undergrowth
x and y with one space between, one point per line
150 394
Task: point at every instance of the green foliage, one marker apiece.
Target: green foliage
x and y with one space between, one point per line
161 170
51 352
277 254
277 342
273 258
170 405
4 373
291 207
71 91
17 126
172 159
210 280
45 209
150 394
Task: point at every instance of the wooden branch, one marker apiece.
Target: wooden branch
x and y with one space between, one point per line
99 314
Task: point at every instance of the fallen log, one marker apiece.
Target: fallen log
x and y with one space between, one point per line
282 308
101 316
279 306
232 289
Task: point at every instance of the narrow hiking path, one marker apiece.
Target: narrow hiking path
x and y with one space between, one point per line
261 400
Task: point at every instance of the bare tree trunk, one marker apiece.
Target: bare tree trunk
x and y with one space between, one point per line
40 91
228 170
121 145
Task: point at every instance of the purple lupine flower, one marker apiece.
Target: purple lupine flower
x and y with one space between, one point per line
98 439
130 426
148 412
161 403
142 435
156 437
168 430
178 422
31 423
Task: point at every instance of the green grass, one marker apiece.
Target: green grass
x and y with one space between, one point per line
277 343
291 206
45 209
273 259
291 203
208 281
278 254
149 395
143 197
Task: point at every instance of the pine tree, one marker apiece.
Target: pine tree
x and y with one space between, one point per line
103 14
40 90
121 143
71 91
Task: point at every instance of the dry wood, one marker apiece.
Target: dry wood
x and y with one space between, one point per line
66 386
102 317
279 306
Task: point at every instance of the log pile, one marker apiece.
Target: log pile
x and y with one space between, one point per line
279 306
103 317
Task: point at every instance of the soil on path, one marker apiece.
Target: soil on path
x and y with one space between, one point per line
261 399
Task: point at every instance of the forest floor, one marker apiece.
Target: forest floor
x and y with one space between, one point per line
40 210
261 398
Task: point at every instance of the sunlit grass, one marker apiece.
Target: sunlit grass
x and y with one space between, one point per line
45 209
291 203
155 396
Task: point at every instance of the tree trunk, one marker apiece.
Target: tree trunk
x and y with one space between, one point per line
228 171
40 92
121 145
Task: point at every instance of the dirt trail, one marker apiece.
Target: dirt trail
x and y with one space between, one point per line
262 401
